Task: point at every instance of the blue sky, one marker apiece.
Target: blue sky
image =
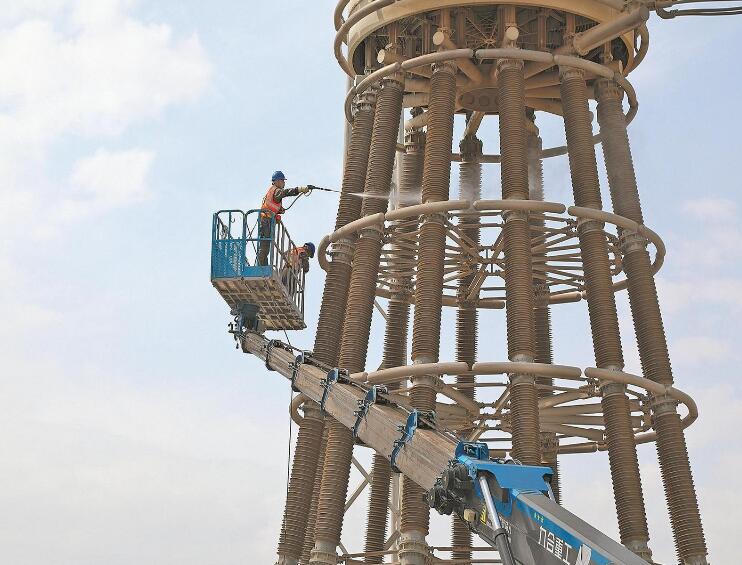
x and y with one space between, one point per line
132 429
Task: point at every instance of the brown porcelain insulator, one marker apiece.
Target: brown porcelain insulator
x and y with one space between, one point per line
535 169
428 291
511 102
395 337
415 514
516 232
550 460
680 492
627 487
332 313
541 313
395 347
378 501
518 268
470 180
582 164
332 309
466 345
435 186
415 510
523 412
411 166
650 332
617 151
383 146
312 518
422 396
672 453
334 487
356 165
627 490
359 309
518 288
466 338
362 288
437 165
601 302
461 540
402 256
542 317
303 471
549 450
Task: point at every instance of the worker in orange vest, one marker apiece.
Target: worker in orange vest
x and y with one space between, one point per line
298 260
272 207
300 256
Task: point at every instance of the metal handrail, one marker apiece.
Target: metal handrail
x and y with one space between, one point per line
236 246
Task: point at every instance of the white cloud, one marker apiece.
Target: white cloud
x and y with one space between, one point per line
698 350
714 246
712 241
91 73
677 294
109 73
106 471
107 180
710 209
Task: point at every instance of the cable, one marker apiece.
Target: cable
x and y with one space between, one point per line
288 340
296 199
288 454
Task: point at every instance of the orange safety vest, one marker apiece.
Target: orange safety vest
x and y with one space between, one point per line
296 256
270 204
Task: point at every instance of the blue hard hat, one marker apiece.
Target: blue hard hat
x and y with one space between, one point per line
278 175
310 248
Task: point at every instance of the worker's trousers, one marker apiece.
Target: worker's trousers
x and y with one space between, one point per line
264 246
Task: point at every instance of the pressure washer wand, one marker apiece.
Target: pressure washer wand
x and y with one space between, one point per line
324 189
312 188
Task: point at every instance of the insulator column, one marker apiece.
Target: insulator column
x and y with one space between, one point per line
312 519
470 188
299 498
518 269
542 315
395 339
627 488
331 316
671 448
428 291
359 310
332 309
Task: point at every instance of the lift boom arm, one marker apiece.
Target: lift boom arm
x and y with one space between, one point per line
509 506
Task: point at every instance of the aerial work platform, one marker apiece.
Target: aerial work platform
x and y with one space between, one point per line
273 286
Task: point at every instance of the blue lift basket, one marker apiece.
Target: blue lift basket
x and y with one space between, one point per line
274 286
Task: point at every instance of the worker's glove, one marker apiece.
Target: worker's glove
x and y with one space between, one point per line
305 189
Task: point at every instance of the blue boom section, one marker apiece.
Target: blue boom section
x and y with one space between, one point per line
539 531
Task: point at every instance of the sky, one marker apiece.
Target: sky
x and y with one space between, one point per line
131 428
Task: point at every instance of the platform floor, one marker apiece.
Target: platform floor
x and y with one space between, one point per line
277 309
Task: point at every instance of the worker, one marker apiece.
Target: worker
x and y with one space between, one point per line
298 261
273 208
300 256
